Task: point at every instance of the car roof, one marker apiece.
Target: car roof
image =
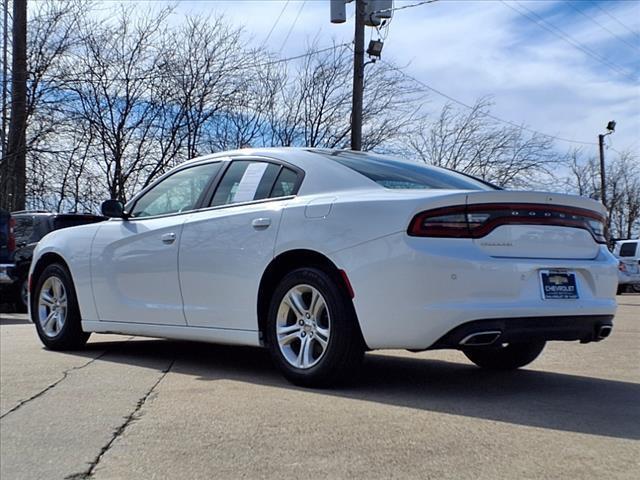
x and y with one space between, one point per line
321 174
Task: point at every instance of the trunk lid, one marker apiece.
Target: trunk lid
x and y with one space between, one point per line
536 224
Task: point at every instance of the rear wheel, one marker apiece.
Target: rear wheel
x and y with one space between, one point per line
312 331
505 357
55 312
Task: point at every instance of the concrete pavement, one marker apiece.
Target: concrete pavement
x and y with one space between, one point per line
138 408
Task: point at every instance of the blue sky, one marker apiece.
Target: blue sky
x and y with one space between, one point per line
563 68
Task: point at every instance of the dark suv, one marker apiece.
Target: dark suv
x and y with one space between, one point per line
28 228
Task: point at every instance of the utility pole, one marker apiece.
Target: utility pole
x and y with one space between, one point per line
603 183
368 13
14 164
611 127
5 40
358 77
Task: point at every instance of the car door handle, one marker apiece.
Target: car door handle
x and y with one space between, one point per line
261 223
168 238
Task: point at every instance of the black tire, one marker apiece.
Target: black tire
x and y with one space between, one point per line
621 289
21 302
344 350
635 288
70 336
507 357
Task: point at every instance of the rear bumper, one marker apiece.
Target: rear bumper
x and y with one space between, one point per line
410 292
588 328
628 279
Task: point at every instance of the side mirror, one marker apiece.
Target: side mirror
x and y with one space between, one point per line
113 209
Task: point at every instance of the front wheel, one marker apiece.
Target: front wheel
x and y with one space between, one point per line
55 312
505 357
312 331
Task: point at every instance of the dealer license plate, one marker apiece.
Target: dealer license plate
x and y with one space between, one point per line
558 285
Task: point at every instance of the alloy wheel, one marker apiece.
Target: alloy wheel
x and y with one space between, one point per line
303 326
52 306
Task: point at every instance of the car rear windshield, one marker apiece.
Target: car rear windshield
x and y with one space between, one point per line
628 249
399 174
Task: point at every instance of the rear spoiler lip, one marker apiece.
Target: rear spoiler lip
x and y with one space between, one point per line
538 198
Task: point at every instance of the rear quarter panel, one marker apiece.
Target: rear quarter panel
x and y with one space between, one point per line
334 221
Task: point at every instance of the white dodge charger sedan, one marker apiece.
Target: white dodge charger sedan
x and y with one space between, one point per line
320 255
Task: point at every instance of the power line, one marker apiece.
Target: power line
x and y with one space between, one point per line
541 22
615 19
219 72
276 22
284 42
404 7
589 17
486 114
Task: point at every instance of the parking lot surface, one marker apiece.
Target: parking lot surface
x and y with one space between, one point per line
128 407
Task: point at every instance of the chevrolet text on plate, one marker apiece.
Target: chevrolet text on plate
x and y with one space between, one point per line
320 255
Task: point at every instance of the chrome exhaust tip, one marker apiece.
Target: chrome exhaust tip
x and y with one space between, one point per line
604 331
480 338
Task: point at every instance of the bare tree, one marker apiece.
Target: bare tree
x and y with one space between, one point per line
623 188
314 103
116 102
204 64
113 71
470 141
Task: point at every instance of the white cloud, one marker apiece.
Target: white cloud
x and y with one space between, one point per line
470 49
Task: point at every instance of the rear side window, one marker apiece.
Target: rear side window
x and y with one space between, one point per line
398 174
628 249
246 181
285 183
23 230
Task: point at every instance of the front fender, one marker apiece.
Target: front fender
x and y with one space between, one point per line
72 246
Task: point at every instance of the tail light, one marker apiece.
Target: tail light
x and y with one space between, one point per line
478 220
622 267
11 242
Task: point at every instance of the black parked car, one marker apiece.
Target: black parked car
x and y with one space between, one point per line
7 246
28 228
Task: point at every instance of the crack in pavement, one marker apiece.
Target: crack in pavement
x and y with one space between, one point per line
65 374
88 473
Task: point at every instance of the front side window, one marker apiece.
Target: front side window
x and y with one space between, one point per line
177 193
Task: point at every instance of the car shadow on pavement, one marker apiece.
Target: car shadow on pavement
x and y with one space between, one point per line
523 397
13 319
